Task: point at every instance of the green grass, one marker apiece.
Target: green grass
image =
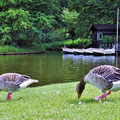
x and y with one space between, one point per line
57 44
59 102
80 43
7 49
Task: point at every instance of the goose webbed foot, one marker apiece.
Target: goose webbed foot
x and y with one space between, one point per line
104 95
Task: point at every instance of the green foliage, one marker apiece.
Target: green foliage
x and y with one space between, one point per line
5 3
69 17
57 35
44 21
22 36
78 43
83 43
38 47
108 39
10 48
13 21
6 39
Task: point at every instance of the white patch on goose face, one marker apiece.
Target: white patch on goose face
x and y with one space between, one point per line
26 83
116 86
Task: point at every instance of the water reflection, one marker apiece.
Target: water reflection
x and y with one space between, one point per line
95 60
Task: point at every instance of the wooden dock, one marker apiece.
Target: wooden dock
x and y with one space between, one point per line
93 51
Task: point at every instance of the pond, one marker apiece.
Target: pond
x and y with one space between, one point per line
53 67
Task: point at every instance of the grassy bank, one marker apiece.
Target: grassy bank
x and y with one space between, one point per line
57 45
58 102
78 43
7 49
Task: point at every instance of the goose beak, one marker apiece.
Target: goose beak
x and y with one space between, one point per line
79 95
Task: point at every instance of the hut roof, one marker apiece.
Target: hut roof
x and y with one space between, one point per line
109 27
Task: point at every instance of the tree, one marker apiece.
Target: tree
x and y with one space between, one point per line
70 18
13 21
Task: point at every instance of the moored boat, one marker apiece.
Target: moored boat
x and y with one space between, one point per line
88 51
78 51
67 50
98 51
92 51
109 51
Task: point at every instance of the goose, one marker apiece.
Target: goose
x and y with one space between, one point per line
104 77
11 82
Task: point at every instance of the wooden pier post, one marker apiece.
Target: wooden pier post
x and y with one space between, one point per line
116 48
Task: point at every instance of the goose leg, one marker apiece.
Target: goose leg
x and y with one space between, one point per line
9 96
109 93
104 95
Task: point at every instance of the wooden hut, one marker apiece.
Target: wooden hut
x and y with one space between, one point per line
104 36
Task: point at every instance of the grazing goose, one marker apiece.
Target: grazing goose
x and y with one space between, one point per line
104 77
12 82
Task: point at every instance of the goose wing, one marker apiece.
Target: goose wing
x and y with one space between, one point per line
110 73
114 76
14 78
10 77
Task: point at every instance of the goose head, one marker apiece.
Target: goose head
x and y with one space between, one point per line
80 88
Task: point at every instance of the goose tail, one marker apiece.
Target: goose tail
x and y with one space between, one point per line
33 80
26 83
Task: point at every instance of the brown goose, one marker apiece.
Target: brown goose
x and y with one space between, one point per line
13 81
104 77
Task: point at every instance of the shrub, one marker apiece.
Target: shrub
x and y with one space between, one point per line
83 43
78 43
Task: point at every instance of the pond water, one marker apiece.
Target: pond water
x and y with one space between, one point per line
53 67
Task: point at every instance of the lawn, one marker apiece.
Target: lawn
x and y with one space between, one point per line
59 102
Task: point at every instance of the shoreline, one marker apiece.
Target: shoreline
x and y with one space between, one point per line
21 53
